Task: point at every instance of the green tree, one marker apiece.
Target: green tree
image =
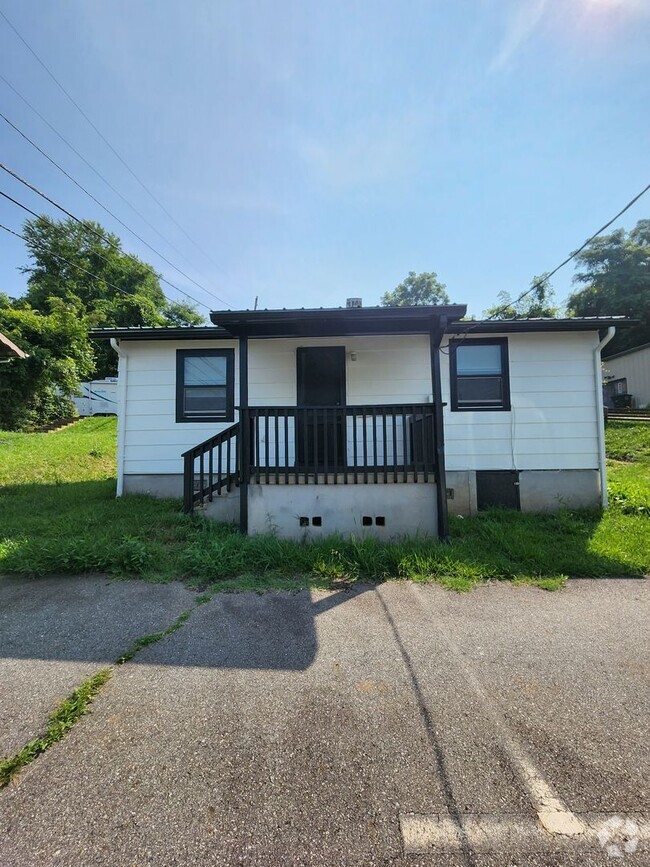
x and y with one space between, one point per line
85 263
37 389
417 290
539 303
614 277
182 313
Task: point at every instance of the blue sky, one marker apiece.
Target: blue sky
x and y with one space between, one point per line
321 150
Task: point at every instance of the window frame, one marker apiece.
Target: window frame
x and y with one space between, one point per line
229 414
502 342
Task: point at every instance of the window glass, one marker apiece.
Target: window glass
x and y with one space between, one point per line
205 400
478 360
204 385
205 370
480 390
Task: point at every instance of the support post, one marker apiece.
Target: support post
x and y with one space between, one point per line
439 430
188 483
244 435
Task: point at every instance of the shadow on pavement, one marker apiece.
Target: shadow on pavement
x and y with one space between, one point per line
97 619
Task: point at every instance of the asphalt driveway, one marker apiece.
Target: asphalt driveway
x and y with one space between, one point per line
397 724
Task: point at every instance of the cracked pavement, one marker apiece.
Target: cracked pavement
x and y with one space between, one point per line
311 728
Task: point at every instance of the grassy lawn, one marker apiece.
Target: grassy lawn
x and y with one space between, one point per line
58 514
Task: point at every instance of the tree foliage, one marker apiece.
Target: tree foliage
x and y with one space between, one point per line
539 303
614 277
64 255
78 278
417 290
37 389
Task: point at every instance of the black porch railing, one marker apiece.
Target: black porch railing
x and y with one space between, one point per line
315 445
341 444
210 467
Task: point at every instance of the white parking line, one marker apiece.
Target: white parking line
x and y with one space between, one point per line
510 833
552 812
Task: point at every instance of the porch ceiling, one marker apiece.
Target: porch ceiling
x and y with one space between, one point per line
335 322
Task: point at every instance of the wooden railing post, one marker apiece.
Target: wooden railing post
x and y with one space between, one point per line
188 483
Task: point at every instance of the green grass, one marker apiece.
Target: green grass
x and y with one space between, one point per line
59 724
59 514
153 637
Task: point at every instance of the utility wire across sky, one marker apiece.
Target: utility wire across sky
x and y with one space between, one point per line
101 205
93 168
103 137
569 258
68 261
99 235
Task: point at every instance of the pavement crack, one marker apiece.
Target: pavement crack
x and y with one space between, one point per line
145 640
59 724
76 705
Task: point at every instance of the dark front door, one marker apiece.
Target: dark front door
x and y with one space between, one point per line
320 427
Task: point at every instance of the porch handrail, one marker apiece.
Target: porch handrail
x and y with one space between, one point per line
218 474
326 444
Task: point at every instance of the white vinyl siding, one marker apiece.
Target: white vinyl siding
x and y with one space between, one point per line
552 425
553 422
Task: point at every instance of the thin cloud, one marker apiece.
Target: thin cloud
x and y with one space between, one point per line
520 25
373 151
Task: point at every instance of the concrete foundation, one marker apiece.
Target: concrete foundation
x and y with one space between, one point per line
550 490
389 510
539 490
406 509
461 492
154 485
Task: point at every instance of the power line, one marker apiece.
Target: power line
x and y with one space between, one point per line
103 238
68 261
566 261
101 205
91 166
101 135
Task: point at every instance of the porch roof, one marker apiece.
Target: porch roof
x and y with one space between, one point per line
334 322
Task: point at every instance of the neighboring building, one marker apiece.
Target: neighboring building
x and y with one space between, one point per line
368 420
628 372
9 350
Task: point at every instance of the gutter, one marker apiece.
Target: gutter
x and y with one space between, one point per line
122 369
600 415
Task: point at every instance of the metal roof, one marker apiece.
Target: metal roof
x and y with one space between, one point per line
342 321
163 332
336 321
492 326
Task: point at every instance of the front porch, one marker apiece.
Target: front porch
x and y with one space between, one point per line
277 467
326 446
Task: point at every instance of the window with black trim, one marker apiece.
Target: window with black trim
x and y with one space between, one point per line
479 374
205 385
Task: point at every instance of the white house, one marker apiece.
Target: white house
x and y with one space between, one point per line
364 420
628 372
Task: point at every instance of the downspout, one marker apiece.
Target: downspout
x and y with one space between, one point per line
122 367
600 415
435 340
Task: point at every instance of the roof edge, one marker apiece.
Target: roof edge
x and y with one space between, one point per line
627 351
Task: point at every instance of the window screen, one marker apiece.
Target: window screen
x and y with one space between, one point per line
479 374
204 387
